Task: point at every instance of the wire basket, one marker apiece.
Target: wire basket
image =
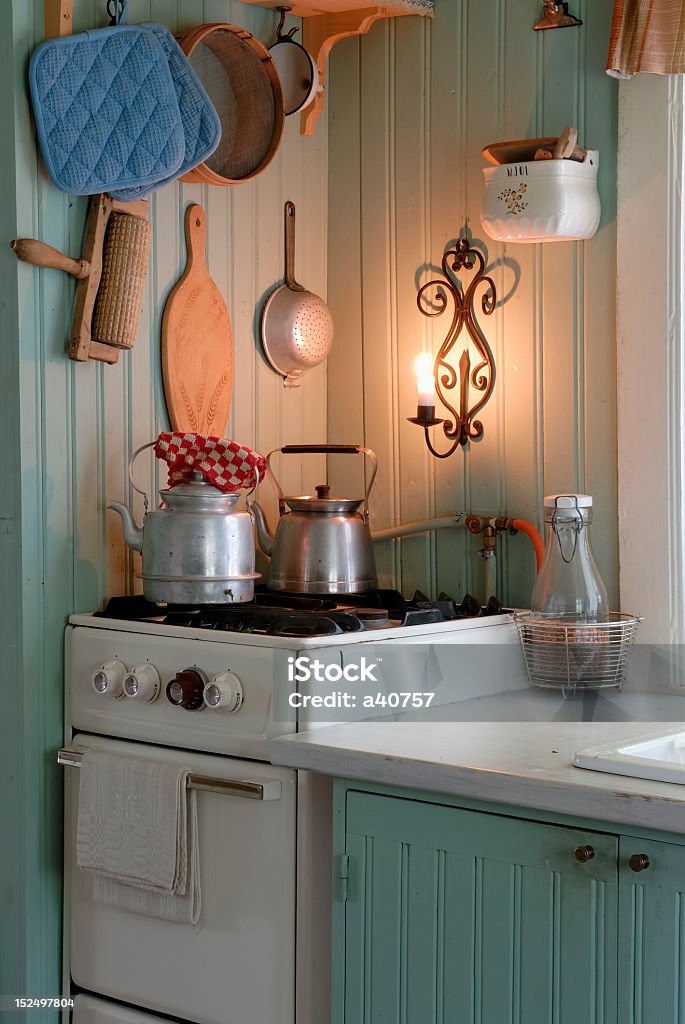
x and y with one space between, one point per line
570 655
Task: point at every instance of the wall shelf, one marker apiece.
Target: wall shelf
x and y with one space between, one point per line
324 23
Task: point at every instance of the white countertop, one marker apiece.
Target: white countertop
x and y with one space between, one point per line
525 764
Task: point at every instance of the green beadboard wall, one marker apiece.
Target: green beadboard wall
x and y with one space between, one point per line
13 926
410 107
70 427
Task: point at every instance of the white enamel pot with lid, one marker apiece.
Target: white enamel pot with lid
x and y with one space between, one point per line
296 68
322 544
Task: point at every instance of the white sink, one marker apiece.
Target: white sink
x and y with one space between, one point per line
659 757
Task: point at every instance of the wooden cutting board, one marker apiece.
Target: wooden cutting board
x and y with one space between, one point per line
197 342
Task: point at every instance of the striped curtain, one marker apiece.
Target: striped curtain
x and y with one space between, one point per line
647 36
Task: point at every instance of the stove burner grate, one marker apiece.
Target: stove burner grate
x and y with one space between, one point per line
305 615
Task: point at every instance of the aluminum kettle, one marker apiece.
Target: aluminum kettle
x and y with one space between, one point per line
196 548
322 545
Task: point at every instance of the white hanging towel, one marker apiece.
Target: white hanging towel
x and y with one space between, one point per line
137 833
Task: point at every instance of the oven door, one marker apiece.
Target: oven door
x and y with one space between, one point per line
238 963
88 1010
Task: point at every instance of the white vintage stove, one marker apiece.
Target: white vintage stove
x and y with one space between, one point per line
208 688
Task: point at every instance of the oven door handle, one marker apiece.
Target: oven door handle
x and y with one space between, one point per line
249 789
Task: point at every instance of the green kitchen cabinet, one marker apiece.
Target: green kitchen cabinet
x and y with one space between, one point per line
463 917
652 932
450 915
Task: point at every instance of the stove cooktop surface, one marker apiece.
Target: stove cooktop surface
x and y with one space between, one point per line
251 647
306 615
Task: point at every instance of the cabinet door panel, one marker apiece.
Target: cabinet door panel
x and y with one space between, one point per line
537 929
459 917
585 917
652 934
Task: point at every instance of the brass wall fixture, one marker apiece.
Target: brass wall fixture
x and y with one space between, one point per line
473 384
555 15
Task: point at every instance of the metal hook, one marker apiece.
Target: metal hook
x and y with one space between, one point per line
116 10
281 23
555 15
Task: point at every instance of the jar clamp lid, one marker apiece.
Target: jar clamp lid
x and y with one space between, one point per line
562 501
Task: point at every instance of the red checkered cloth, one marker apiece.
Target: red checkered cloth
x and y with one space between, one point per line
227 465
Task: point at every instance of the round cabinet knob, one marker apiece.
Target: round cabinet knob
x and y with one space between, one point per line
638 862
186 690
108 680
143 683
224 693
583 854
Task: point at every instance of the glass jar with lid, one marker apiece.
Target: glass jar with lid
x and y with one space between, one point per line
569 584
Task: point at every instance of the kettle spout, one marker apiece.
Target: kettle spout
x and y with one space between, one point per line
133 535
264 534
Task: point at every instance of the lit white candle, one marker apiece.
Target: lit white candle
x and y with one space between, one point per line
423 368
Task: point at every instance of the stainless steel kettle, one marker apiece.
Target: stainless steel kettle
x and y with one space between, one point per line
196 548
322 544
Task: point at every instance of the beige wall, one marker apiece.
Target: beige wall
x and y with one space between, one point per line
410 107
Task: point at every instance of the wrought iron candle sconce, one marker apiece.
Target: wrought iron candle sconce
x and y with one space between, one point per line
461 426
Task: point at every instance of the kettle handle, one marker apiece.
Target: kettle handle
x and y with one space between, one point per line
252 490
320 449
134 456
325 449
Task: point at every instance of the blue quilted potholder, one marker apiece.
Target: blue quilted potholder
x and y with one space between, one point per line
201 124
106 110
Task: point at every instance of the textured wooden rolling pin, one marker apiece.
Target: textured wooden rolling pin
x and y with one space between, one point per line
111 276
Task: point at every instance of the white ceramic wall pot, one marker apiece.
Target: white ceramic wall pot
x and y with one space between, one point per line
542 201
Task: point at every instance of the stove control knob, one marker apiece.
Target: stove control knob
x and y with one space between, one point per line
224 693
108 680
143 683
186 690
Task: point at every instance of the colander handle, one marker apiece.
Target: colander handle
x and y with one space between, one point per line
326 449
289 211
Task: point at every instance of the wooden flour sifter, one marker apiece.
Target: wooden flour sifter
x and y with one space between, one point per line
111 276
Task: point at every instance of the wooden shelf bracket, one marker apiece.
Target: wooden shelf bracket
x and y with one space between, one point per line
320 34
325 22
